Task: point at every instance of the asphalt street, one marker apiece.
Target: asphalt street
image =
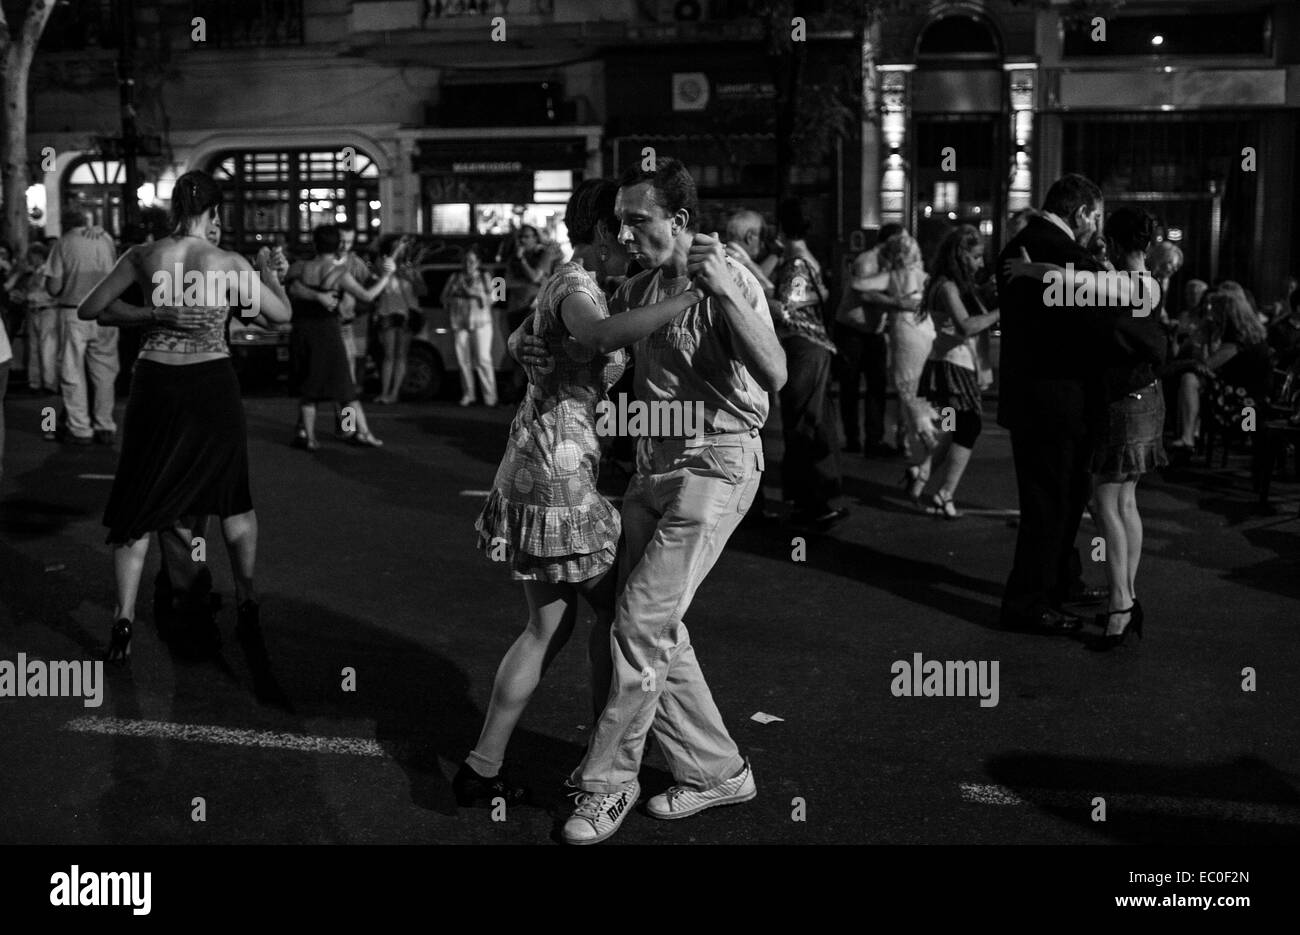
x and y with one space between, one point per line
367 563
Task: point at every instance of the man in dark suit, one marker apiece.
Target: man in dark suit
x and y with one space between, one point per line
1049 391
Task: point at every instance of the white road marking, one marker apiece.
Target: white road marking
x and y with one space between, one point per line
983 512
990 794
206 733
96 476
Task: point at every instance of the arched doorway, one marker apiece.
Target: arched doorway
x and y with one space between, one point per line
94 185
958 138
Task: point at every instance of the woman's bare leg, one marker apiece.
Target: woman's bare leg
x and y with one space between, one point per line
128 566
1189 407
1115 534
1132 530
308 419
552 610
241 545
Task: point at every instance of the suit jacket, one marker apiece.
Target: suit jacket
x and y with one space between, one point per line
1051 362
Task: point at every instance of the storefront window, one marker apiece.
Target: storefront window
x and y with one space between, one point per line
281 195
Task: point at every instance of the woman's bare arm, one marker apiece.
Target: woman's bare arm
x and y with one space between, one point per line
582 317
949 297
109 288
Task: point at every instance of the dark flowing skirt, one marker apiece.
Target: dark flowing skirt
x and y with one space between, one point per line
321 369
945 384
184 449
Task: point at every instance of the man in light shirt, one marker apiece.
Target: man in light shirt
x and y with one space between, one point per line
80 259
688 496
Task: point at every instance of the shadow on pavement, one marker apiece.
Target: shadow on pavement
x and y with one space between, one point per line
1244 801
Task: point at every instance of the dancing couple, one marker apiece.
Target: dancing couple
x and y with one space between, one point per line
184 450
1082 403
700 332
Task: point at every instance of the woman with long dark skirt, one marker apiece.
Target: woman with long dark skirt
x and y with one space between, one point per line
184 440
544 518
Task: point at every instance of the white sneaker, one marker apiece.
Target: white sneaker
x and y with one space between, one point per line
599 814
682 802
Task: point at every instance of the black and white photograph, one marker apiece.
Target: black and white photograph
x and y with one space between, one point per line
556 423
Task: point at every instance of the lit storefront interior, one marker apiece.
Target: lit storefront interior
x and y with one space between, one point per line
279 196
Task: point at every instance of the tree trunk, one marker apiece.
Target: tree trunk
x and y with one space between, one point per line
16 56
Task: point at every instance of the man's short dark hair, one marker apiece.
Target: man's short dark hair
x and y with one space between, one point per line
1069 193
673 187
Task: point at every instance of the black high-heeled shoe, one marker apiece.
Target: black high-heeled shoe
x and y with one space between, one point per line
474 791
943 506
119 642
1108 641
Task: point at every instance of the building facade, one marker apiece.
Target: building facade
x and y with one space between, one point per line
1187 109
473 116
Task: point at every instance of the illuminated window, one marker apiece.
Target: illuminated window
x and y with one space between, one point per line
552 186
450 219
283 194
945 196
95 186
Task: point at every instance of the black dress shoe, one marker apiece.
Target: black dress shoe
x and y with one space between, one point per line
474 791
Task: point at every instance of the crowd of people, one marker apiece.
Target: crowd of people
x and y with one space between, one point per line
739 324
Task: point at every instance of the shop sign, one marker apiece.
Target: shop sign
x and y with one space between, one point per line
487 168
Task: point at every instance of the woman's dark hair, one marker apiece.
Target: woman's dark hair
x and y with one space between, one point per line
591 203
326 239
388 244
1130 230
529 227
947 262
673 187
39 250
194 194
790 219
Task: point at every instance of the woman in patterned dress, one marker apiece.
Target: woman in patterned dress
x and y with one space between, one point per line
544 516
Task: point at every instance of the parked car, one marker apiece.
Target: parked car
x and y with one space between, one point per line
431 367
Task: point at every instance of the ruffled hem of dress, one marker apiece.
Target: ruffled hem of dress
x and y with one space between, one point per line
548 532
1137 458
570 568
